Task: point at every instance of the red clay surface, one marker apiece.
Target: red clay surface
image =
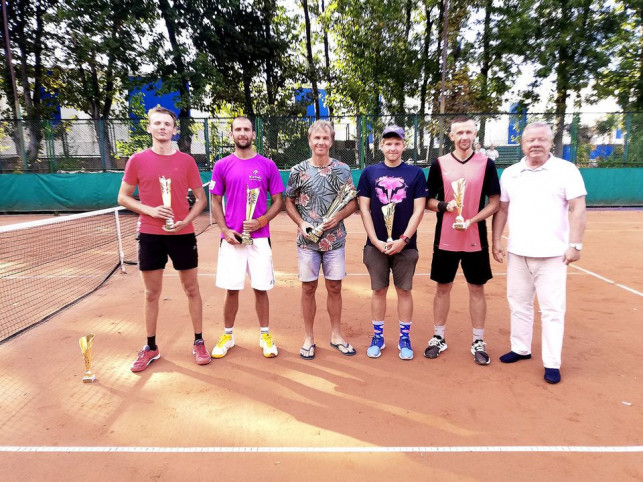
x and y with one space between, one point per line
245 400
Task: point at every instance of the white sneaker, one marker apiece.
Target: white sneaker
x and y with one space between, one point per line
225 342
266 342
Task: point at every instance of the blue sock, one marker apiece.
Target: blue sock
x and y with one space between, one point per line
378 329
405 329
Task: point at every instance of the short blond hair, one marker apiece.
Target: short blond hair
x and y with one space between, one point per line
161 110
322 124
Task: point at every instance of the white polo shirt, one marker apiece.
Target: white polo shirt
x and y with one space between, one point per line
538 217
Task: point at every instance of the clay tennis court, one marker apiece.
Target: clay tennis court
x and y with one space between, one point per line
245 417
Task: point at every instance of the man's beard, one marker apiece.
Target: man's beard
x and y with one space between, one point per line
243 143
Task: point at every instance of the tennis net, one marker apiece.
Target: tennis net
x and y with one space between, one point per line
47 266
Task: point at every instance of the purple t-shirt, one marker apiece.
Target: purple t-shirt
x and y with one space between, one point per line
232 176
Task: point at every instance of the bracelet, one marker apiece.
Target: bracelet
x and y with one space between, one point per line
262 221
442 206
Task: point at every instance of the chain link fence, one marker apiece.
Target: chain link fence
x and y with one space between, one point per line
589 140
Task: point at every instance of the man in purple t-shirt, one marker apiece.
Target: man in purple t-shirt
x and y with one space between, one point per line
233 176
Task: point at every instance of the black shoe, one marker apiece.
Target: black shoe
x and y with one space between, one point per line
513 357
552 375
436 346
479 353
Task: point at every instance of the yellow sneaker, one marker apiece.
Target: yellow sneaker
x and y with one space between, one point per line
268 345
225 342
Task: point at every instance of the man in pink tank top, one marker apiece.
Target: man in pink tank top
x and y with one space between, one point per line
467 246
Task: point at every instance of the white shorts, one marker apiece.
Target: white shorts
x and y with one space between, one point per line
234 261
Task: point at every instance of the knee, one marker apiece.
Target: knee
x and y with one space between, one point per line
309 288
152 294
334 288
443 289
192 291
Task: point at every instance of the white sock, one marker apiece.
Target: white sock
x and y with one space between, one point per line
478 334
439 330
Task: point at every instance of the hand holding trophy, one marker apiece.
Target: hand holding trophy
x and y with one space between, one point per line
388 210
458 196
344 196
251 202
166 194
86 343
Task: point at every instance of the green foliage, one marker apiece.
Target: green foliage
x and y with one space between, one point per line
139 138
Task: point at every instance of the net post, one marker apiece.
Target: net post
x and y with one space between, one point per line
121 253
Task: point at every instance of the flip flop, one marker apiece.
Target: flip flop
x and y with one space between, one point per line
307 353
344 348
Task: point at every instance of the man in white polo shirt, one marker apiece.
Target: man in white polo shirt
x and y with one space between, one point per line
543 200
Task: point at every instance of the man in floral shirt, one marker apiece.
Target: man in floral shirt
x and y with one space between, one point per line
312 187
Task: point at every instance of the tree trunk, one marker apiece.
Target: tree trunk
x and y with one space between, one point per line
312 74
329 79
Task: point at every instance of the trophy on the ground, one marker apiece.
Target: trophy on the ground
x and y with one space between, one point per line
251 203
388 210
458 195
86 343
166 194
346 193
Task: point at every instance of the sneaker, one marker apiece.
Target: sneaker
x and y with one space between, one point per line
479 354
436 346
377 345
225 342
145 357
266 342
200 353
406 352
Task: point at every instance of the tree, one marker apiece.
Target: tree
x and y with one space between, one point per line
31 47
101 44
560 46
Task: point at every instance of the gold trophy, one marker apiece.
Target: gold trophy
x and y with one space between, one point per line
251 203
346 193
166 194
388 210
458 195
86 343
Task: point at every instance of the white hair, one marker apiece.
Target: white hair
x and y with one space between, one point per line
538 125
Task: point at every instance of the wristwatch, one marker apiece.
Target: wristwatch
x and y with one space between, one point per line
405 238
576 246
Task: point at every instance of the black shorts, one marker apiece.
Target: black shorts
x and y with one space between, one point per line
475 266
380 265
154 249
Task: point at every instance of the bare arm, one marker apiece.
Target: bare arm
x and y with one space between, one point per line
293 213
346 211
365 211
488 210
498 226
274 209
577 222
217 211
126 199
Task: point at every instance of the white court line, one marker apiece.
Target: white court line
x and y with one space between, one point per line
336 450
627 288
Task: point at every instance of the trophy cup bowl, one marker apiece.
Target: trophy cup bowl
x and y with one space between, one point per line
345 194
458 195
388 210
251 203
86 343
166 194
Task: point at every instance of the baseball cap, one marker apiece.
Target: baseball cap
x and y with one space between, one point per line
393 131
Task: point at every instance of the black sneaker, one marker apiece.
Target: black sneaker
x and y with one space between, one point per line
436 346
479 354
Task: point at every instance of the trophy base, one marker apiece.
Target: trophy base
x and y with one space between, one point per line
314 234
89 378
460 226
246 239
168 226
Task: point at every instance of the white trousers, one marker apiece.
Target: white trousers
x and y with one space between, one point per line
547 279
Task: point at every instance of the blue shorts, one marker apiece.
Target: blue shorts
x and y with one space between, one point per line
333 263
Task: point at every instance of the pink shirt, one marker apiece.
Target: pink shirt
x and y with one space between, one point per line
145 168
231 177
473 171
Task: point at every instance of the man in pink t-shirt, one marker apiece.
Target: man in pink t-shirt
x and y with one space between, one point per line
159 239
232 177
467 247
